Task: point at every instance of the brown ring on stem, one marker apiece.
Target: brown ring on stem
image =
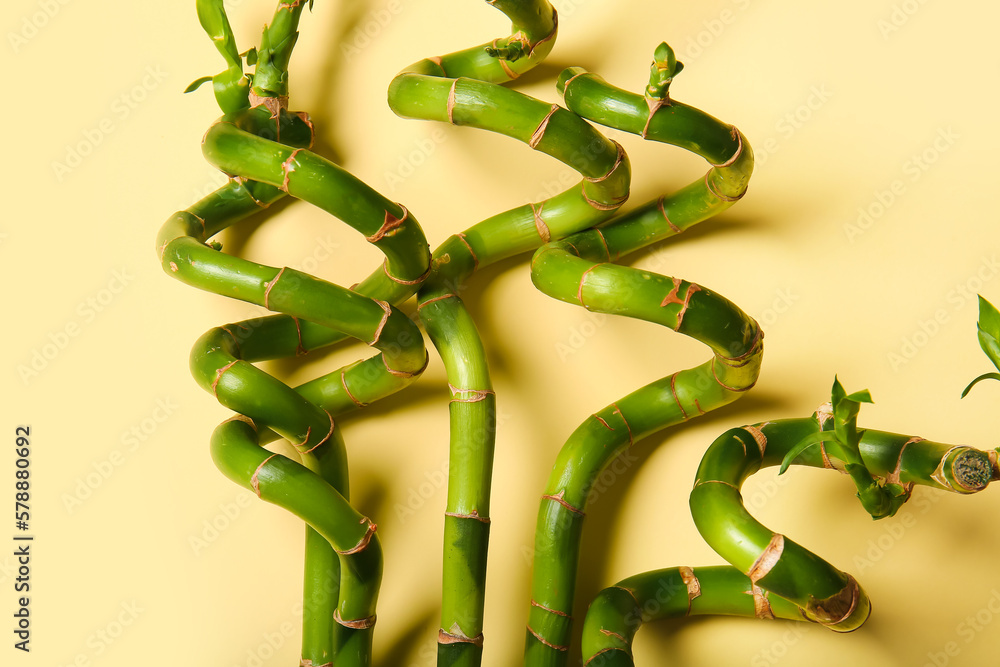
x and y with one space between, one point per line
363 542
385 318
546 642
621 415
287 168
390 225
358 624
739 148
761 604
458 638
540 226
691 582
267 291
325 438
406 374
550 610
218 376
539 132
254 479
343 381
674 228
767 559
558 497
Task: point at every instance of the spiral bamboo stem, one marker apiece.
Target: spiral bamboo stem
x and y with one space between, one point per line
770 575
581 270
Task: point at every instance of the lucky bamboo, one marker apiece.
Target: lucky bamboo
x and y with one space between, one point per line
578 238
581 270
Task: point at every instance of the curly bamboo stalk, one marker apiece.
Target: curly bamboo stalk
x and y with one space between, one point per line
770 575
580 269
461 89
265 150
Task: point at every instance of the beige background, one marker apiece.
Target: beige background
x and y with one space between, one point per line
840 101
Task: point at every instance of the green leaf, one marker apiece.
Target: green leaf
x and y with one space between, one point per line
251 56
862 396
990 346
984 376
196 84
805 443
989 318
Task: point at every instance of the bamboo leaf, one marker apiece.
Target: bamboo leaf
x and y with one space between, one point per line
989 318
984 376
196 84
862 396
990 345
805 443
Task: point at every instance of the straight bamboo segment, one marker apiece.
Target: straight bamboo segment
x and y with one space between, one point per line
577 237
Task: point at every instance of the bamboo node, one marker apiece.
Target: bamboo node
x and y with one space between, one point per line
550 610
390 225
536 136
363 542
767 559
558 497
474 514
385 318
357 624
761 603
456 637
540 226
255 478
544 641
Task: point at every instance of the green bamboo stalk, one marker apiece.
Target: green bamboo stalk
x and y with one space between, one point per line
265 150
580 270
825 594
619 611
771 576
460 89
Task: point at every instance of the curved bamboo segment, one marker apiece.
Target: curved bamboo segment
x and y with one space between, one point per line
266 152
770 576
462 89
580 269
617 613
782 567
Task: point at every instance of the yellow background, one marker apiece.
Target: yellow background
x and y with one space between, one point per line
838 100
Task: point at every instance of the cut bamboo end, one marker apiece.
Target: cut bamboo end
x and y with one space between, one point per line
844 611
